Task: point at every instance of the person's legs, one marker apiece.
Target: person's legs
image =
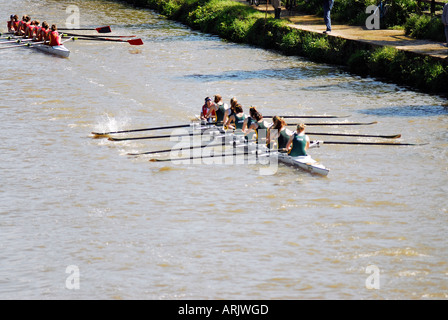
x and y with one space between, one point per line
327 18
446 34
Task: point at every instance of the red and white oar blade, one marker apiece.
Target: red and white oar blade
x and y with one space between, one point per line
135 42
104 30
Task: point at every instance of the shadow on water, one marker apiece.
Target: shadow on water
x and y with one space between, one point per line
290 74
408 111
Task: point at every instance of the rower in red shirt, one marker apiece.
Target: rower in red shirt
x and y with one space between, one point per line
15 24
54 37
23 25
43 32
31 29
9 23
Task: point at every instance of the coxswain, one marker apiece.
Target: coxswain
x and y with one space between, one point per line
205 114
219 108
237 118
53 37
299 142
42 32
278 133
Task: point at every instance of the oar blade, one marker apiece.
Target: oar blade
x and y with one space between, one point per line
135 42
104 30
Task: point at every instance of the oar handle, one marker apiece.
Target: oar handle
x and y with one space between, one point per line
29 44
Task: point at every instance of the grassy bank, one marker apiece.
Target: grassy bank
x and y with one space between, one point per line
239 23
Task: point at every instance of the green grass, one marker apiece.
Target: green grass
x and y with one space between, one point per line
238 22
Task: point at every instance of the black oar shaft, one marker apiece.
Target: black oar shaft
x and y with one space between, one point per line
336 124
309 117
201 157
395 136
157 137
140 130
179 149
374 143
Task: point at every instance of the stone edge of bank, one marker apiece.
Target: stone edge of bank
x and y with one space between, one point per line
419 72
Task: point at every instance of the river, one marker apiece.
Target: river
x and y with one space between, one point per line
80 211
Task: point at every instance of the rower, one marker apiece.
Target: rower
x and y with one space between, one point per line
15 24
278 133
54 37
300 142
205 114
258 124
9 23
231 110
26 20
31 29
42 32
238 118
219 108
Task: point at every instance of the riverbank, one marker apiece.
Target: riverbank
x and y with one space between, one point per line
238 22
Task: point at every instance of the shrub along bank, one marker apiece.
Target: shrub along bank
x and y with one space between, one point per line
240 23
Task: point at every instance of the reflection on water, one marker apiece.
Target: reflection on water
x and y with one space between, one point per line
140 229
409 111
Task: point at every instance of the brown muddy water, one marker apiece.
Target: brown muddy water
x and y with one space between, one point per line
142 230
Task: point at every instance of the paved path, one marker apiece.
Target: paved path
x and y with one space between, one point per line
395 38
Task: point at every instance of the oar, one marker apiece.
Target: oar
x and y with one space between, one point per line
133 42
99 30
336 124
201 157
374 143
394 136
16 41
22 45
310 117
179 149
155 137
95 36
102 134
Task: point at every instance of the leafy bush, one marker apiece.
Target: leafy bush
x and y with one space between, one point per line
358 62
425 27
316 48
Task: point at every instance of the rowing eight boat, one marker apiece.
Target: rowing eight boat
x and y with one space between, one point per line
237 140
60 51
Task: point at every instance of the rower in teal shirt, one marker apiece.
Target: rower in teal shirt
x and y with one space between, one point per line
299 141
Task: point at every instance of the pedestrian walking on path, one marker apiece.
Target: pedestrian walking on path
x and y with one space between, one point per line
445 21
277 9
328 5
